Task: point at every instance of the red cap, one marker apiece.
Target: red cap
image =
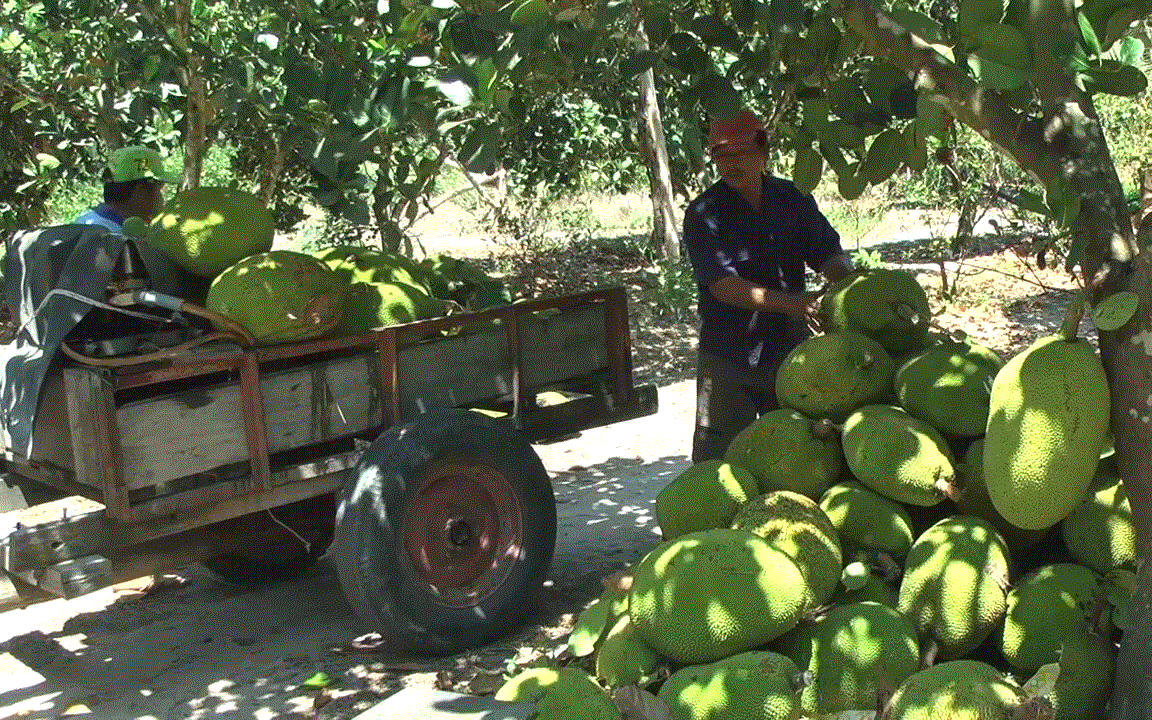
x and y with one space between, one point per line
739 128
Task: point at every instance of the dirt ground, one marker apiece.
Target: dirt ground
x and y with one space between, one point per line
188 646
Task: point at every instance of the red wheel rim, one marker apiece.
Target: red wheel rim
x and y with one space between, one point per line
463 533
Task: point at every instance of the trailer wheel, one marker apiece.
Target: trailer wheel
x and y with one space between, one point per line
445 532
266 551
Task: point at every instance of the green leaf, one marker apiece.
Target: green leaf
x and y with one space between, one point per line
1075 251
658 26
973 14
319 680
717 96
1129 51
480 147
1115 78
996 75
919 24
1005 44
885 155
787 16
916 149
1091 42
712 30
1029 200
851 185
843 134
815 115
638 63
529 12
457 85
930 117
823 36
807 169
1114 311
1063 203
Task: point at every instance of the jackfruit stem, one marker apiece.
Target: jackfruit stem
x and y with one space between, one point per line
1071 325
949 490
801 680
928 653
823 429
1034 708
888 566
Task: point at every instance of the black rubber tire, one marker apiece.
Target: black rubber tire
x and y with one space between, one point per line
483 479
271 553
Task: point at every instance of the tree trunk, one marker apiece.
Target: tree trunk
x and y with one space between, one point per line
271 169
652 143
196 107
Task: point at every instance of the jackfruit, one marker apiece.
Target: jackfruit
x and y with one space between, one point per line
887 305
956 690
796 526
373 305
856 652
1047 605
1047 423
955 583
705 496
786 451
875 589
761 684
358 264
1084 685
595 620
898 456
280 296
866 520
974 500
830 375
948 386
565 693
623 658
206 230
677 610
1100 533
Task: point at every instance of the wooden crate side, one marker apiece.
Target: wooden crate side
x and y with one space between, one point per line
173 436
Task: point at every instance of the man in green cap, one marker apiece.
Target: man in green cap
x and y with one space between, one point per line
133 186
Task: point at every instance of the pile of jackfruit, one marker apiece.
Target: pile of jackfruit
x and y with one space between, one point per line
922 531
225 236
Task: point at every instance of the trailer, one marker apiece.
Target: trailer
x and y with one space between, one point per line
404 453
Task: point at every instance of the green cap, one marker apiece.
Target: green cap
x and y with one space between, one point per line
139 163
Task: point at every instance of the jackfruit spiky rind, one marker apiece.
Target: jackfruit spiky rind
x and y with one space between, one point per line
830 375
897 455
1047 605
677 611
280 296
589 628
888 305
755 684
1100 533
948 386
857 651
782 453
1047 423
706 495
373 305
955 583
875 590
564 693
795 525
623 658
1087 671
867 520
208 229
957 690
974 500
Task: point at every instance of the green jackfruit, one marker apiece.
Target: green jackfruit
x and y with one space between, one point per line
854 652
795 525
875 589
1100 533
280 296
762 685
955 583
830 375
623 658
595 620
1047 605
363 264
866 520
898 456
956 690
948 386
1047 423
208 229
677 611
380 304
786 451
974 500
566 693
1084 685
705 496
887 305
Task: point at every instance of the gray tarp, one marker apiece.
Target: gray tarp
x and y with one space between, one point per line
78 258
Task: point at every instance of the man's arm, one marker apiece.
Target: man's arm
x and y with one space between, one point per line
735 290
837 267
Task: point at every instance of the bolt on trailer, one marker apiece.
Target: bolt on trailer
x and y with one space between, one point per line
143 432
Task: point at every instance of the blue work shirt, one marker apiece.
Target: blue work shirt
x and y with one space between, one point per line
724 236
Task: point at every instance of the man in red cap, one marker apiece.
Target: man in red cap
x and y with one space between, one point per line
749 237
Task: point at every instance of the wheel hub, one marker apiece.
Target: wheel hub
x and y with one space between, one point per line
463 532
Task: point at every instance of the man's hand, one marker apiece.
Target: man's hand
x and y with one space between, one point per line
806 306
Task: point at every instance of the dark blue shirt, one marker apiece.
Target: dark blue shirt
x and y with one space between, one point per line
723 236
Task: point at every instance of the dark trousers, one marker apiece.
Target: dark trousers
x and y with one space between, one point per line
729 397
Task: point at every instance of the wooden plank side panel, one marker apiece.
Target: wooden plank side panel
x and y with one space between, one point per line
195 431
